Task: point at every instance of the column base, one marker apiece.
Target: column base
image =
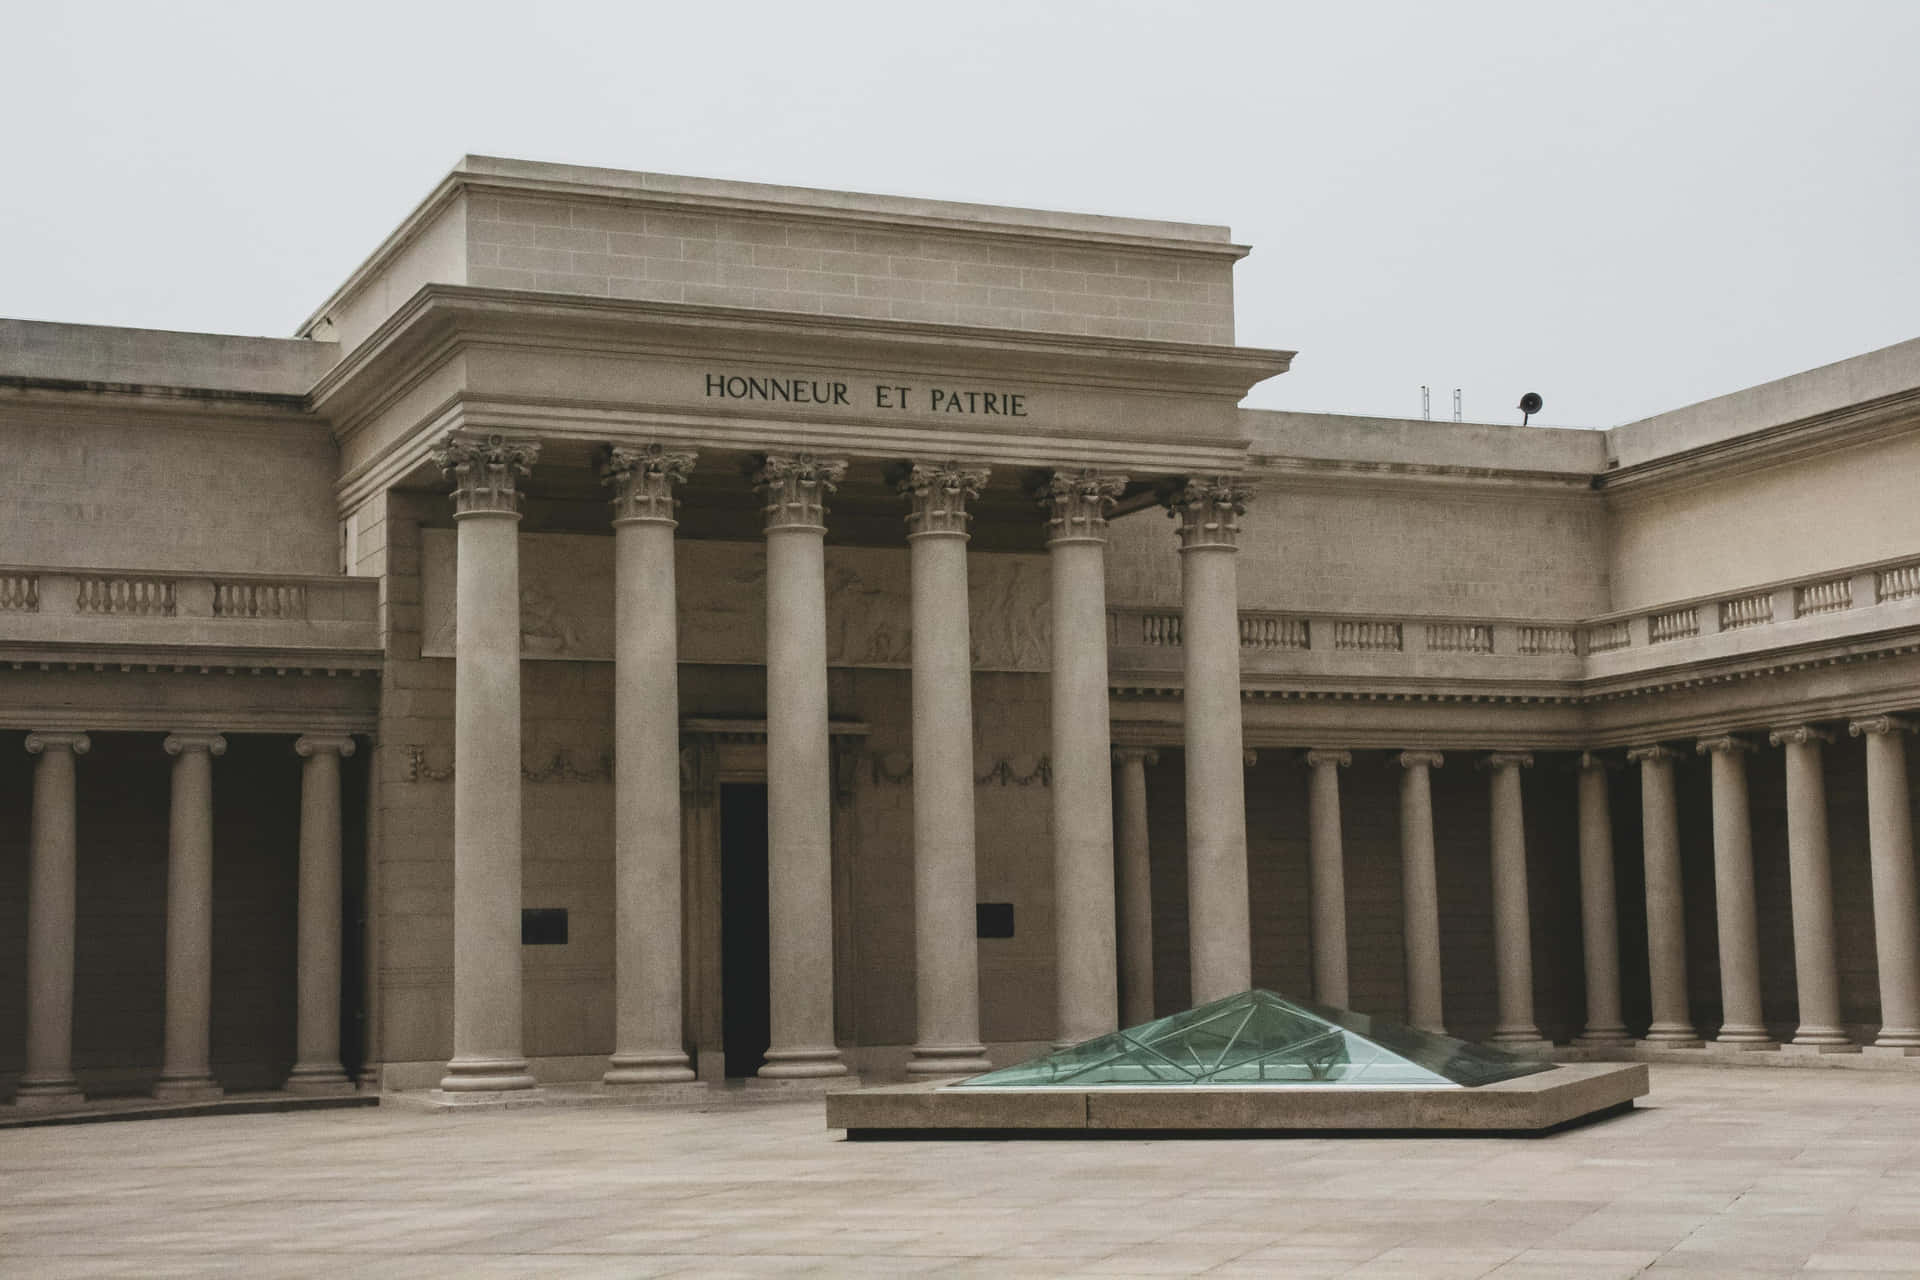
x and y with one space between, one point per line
802 1064
49 1094
1820 1040
486 1075
1897 1038
318 1079
199 1088
1528 1043
948 1060
1878 1050
1614 1037
666 1066
1671 1035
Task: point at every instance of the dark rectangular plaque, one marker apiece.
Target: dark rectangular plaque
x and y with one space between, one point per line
543 927
993 919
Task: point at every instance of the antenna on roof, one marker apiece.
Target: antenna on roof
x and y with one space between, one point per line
1456 404
1426 403
1530 404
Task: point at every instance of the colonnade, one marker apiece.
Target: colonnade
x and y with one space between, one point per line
485 474
186 1071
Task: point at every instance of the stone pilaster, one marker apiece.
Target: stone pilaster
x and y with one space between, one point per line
1735 911
1672 1025
1599 923
1086 960
1207 512
1136 886
947 967
1420 890
649 1040
1328 877
47 1081
1810 878
316 1067
1512 924
487 995
799 767
186 1068
1896 908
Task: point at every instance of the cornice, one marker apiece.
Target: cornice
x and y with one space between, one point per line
625 327
1284 472
1768 448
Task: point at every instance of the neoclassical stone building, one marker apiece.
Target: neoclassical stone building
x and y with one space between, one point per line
652 629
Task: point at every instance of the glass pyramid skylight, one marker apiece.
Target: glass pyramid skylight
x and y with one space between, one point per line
1259 1039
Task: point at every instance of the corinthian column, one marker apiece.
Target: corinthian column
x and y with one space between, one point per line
946 955
486 750
1220 934
47 1081
316 1067
1666 904
1896 913
186 1070
1741 1023
1420 890
1599 924
1327 873
648 1045
1512 925
1810 879
799 768
1136 887
1087 995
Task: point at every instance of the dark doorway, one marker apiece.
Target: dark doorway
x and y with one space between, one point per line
746 1025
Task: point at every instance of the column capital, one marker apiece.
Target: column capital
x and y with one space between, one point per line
1653 753
308 744
1724 743
1507 760
1798 735
937 494
1420 759
58 740
485 472
1879 725
1208 510
179 743
1077 504
1317 756
796 486
1136 755
1249 758
642 480
1593 760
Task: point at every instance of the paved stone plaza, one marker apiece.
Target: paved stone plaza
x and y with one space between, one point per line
1728 1171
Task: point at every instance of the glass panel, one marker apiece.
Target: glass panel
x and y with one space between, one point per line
1259 1038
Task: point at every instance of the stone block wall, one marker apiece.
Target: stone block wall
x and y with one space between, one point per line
604 249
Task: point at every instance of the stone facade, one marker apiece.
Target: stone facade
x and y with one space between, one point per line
323 658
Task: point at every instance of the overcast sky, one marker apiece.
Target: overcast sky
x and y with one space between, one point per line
1625 206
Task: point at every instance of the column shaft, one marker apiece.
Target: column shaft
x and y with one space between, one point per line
1735 910
1599 924
1666 903
1512 925
1136 887
946 953
1896 910
1220 933
186 1069
1420 891
1810 878
1087 996
487 1029
47 1081
316 1066
649 1041
799 772
1327 872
